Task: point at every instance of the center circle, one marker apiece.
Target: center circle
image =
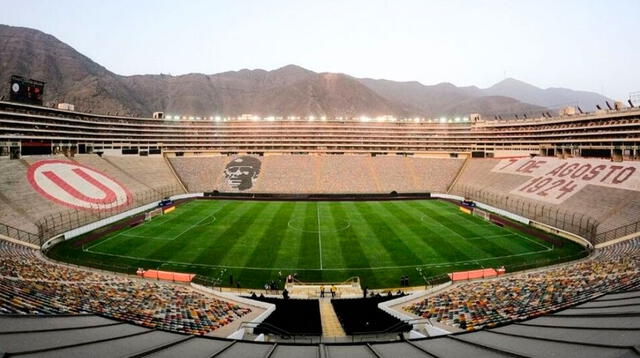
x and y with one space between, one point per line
298 225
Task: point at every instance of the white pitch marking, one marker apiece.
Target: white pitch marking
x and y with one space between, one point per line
490 236
142 237
319 234
198 223
114 236
436 264
535 242
133 227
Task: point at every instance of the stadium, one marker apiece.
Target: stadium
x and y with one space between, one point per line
316 235
239 217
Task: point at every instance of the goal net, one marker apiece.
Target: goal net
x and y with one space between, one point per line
481 213
153 213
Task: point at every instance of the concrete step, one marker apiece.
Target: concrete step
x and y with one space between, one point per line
331 326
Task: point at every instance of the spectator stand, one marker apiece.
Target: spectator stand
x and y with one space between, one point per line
291 317
361 316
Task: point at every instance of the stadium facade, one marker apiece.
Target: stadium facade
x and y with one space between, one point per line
604 133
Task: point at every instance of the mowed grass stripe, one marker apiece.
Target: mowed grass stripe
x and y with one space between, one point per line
200 238
172 224
458 232
385 234
292 242
119 243
307 255
447 249
488 247
429 243
256 232
408 228
270 241
185 245
247 230
225 233
519 242
349 241
254 241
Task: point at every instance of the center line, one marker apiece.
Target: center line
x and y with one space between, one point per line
319 234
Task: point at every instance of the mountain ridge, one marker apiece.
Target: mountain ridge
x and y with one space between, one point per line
290 90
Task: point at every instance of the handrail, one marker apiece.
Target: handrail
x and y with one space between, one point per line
277 330
624 229
19 234
459 174
409 321
349 281
387 330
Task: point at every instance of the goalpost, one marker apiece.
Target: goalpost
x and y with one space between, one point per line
151 214
481 213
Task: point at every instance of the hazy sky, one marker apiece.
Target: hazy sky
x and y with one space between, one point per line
582 44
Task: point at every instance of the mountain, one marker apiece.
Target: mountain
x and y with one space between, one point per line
70 76
291 90
447 99
550 97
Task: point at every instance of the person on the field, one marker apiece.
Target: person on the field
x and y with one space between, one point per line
321 290
333 291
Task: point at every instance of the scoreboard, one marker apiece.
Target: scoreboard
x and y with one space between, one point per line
26 91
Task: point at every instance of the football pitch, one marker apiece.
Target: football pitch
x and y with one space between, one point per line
257 241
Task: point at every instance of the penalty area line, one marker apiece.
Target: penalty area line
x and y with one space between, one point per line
109 238
198 223
124 233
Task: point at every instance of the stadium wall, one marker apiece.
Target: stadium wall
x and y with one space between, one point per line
521 219
112 219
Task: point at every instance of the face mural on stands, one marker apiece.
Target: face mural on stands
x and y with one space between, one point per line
241 172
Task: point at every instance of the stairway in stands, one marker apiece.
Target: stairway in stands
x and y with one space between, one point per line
331 326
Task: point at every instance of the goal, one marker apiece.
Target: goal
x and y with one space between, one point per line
481 213
151 214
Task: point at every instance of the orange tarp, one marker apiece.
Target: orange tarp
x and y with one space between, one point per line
475 274
166 275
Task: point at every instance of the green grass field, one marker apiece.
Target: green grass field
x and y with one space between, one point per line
320 241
